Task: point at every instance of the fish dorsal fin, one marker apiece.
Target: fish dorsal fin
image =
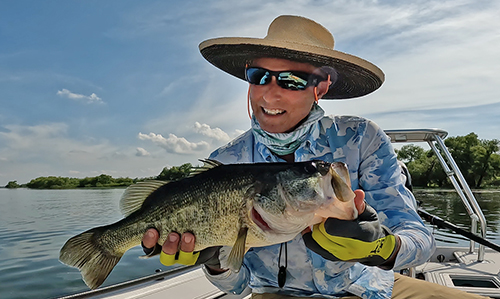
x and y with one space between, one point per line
207 165
235 259
134 196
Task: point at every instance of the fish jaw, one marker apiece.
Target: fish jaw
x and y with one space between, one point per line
341 182
332 198
337 209
256 218
267 229
340 197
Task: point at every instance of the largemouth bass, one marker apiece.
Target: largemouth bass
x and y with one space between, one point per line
237 205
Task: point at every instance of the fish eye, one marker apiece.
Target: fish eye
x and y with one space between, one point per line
310 167
322 167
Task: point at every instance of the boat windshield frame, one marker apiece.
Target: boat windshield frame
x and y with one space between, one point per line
434 138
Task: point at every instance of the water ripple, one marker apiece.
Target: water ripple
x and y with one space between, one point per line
34 224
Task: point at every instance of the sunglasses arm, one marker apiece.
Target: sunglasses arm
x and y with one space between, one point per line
329 83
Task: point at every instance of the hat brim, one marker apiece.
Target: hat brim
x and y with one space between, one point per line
355 77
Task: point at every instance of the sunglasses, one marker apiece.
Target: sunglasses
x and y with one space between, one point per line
292 80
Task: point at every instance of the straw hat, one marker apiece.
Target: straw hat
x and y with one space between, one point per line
298 39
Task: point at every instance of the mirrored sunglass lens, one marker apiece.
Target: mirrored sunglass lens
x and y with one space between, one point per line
258 76
287 79
292 81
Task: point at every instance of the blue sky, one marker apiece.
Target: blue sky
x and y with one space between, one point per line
119 87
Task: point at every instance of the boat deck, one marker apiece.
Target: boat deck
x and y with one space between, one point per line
458 268
185 282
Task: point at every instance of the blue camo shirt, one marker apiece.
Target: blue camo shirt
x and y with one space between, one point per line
373 167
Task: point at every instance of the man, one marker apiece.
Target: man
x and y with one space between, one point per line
288 71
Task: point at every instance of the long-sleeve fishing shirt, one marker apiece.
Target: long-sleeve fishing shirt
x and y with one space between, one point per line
373 167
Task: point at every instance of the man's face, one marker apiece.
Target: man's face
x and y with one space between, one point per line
280 110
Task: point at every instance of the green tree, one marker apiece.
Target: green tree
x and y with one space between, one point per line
476 158
410 152
494 180
124 182
12 185
86 182
486 161
53 182
103 180
424 169
175 172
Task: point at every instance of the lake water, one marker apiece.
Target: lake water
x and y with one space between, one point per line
34 224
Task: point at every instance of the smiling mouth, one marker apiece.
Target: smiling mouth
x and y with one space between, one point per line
257 219
272 111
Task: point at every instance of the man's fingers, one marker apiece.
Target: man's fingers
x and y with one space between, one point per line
184 245
187 242
150 238
171 245
306 230
359 200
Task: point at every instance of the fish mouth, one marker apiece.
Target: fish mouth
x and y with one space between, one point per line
259 221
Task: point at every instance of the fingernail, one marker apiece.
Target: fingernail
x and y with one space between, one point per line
188 238
151 234
173 237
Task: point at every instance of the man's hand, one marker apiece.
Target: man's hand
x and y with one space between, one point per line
362 240
179 250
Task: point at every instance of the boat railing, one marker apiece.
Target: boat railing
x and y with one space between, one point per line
434 138
103 292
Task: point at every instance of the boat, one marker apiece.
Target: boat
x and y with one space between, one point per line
473 269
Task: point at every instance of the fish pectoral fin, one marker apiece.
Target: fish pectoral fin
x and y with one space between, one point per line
235 259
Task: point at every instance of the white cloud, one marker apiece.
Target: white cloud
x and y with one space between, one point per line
47 143
91 99
140 152
27 152
32 138
174 144
214 133
239 132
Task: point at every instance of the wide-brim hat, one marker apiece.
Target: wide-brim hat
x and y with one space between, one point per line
298 39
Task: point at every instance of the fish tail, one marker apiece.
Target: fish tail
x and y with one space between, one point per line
88 255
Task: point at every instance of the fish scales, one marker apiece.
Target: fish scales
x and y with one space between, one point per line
209 196
191 206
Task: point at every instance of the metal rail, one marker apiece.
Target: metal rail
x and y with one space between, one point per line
434 137
127 284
